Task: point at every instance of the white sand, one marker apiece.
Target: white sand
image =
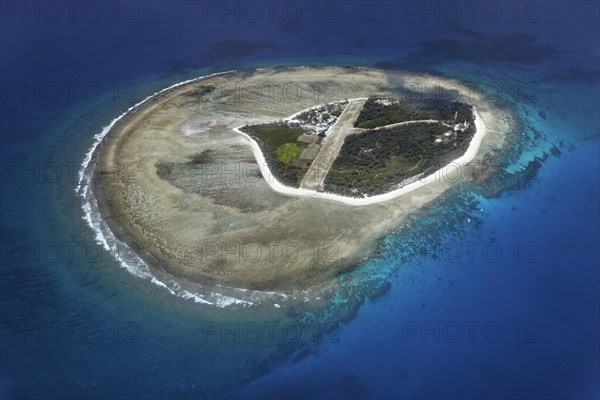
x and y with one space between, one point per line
290 191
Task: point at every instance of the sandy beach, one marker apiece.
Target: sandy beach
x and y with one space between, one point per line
176 179
277 186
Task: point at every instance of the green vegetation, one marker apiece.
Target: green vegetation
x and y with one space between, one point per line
375 113
274 134
288 152
377 161
281 148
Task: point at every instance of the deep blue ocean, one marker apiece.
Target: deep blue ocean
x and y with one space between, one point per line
503 301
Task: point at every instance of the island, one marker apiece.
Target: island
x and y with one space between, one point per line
385 143
280 179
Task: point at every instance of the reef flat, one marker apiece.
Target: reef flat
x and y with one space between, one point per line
182 187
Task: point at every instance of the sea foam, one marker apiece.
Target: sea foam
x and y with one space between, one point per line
127 258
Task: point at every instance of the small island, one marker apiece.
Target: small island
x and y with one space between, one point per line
281 179
386 143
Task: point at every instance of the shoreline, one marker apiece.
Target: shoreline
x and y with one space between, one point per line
279 187
247 286
99 137
113 237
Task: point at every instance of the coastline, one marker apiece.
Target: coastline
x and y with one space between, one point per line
106 129
279 187
361 227
97 214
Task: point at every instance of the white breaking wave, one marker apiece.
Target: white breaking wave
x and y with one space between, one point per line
132 262
129 260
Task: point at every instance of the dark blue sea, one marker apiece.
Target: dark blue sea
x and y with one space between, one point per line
501 300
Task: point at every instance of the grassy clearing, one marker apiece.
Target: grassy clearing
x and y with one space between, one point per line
281 148
288 152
